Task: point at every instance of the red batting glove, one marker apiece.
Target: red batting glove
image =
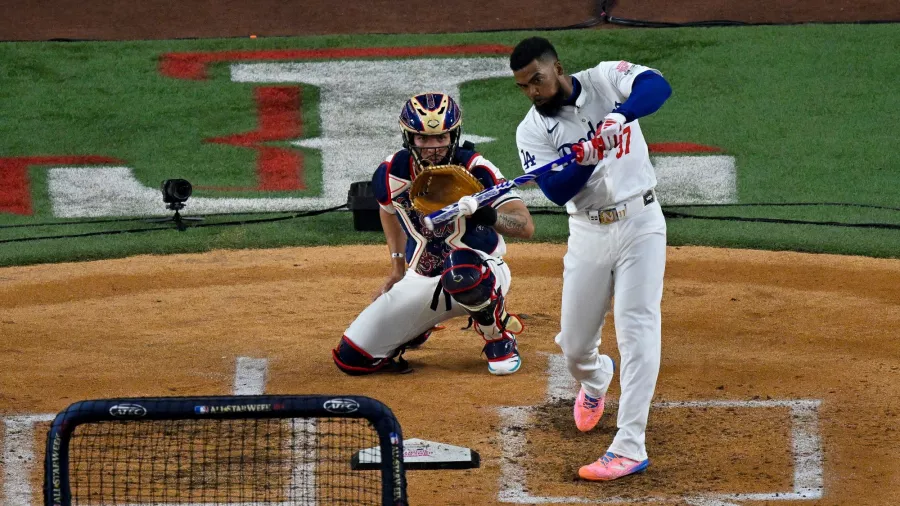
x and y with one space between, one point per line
588 152
611 128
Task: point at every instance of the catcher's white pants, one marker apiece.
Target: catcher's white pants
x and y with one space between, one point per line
404 312
626 260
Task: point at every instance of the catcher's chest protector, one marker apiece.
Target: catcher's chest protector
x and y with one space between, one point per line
426 249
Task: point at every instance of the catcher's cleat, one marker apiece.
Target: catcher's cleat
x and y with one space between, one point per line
612 466
588 410
503 356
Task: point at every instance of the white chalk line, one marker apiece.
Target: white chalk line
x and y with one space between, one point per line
18 444
19 458
250 376
806 446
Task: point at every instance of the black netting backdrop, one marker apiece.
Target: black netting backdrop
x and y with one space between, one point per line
289 461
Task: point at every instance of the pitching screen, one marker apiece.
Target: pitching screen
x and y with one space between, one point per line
300 461
247 461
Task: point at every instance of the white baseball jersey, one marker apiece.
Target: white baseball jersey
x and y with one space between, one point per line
624 172
622 259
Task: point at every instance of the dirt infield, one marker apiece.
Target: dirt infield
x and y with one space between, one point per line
779 370
779 381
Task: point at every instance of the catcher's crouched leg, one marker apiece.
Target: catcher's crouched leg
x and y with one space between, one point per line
354 361
469 280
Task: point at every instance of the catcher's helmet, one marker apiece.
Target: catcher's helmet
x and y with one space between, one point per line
431 114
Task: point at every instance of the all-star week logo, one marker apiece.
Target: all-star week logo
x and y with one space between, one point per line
236 408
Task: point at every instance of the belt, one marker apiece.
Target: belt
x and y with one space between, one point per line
620 211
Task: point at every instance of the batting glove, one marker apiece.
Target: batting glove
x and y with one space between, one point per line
467 205
611 128
588 152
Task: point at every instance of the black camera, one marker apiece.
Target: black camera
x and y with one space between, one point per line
176 191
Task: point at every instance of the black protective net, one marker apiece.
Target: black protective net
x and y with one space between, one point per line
294 461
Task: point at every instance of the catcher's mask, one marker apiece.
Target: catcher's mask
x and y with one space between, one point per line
430 114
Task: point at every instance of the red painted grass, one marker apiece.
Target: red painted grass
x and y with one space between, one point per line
682 147
15 194
193 65
278 117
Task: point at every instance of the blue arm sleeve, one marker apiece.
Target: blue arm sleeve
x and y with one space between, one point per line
648 93
562 185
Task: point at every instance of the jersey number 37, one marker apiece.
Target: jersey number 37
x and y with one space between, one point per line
624 142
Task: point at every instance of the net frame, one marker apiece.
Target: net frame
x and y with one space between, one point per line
57 466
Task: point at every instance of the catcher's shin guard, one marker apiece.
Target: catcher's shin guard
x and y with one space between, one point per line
469 280
354 361
416 342
499 328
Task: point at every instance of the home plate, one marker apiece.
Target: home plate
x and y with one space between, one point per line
420 454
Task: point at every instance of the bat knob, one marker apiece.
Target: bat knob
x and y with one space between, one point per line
428 223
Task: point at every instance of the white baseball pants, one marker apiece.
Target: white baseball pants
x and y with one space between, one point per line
625 260
404 312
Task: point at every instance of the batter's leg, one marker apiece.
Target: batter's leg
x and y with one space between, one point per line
586 292
638 293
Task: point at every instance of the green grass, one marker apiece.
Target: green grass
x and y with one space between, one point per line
806 111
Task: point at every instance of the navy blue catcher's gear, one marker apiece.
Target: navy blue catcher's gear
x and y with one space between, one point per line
416 342
354 361
468 279
430 114
501 349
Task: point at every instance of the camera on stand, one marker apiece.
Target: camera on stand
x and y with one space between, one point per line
175 194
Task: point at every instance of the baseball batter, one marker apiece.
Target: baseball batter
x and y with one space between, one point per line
617 234
457 269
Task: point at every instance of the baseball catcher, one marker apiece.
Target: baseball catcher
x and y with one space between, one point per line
456 269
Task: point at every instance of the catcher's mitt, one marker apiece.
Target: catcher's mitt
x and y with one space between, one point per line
439 186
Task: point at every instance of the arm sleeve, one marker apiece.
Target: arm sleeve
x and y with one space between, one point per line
536 150
561 186
649 91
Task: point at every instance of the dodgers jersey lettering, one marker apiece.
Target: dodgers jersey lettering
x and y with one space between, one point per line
625 171
426 249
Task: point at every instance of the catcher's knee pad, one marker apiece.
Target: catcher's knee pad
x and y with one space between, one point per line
354 361
468 279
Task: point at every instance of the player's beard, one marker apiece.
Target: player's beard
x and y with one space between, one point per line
551 107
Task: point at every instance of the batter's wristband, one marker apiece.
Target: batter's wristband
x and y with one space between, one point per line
486 215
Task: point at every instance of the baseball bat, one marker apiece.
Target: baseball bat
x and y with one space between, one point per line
450 211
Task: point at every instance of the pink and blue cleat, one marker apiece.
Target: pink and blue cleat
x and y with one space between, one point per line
588 410
612 466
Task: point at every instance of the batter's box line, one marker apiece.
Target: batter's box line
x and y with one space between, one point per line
806 447
17 447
